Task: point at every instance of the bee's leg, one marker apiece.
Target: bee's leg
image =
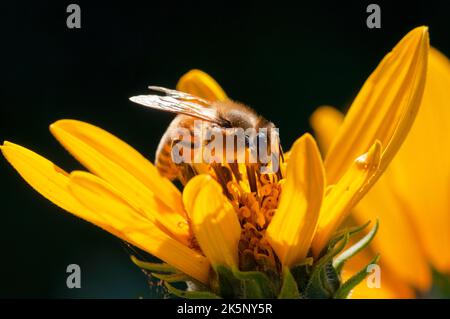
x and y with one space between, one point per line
186 173
223 176
281 160
235 170
281 153
251 175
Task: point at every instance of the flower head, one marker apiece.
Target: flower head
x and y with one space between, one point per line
231 224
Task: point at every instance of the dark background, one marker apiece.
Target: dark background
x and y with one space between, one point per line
282 60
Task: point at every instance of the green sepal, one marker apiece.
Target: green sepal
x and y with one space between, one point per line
322 283
309 279
190 294
440 288
351 283
289 288
352 230
338 236
301 273
154 267
224 283
340 260
255 284
233 283
331 279
333 249
177 277
324 280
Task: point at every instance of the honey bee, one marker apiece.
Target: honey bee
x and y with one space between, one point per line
219 115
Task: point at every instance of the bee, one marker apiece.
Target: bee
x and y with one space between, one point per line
218 115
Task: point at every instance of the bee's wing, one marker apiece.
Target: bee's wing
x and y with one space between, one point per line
179 105
178 94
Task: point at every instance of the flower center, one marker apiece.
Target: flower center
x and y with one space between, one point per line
255 199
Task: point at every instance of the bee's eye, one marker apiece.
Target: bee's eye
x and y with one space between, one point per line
226 123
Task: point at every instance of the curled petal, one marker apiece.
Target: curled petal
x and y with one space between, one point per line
344 195
385 107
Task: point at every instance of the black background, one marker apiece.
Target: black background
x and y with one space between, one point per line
283 60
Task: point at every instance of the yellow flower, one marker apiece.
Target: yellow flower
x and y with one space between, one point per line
216 221
411 199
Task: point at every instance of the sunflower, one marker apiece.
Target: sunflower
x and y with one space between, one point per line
411 199
280 240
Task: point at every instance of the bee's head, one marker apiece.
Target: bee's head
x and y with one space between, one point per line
236 115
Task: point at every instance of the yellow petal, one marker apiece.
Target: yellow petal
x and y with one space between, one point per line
200 84
385 107
53 183
50 181
292 228
45 177
121 154
213 219
345 195
326 121
421 169
395 233
390 287
129 172
100 197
